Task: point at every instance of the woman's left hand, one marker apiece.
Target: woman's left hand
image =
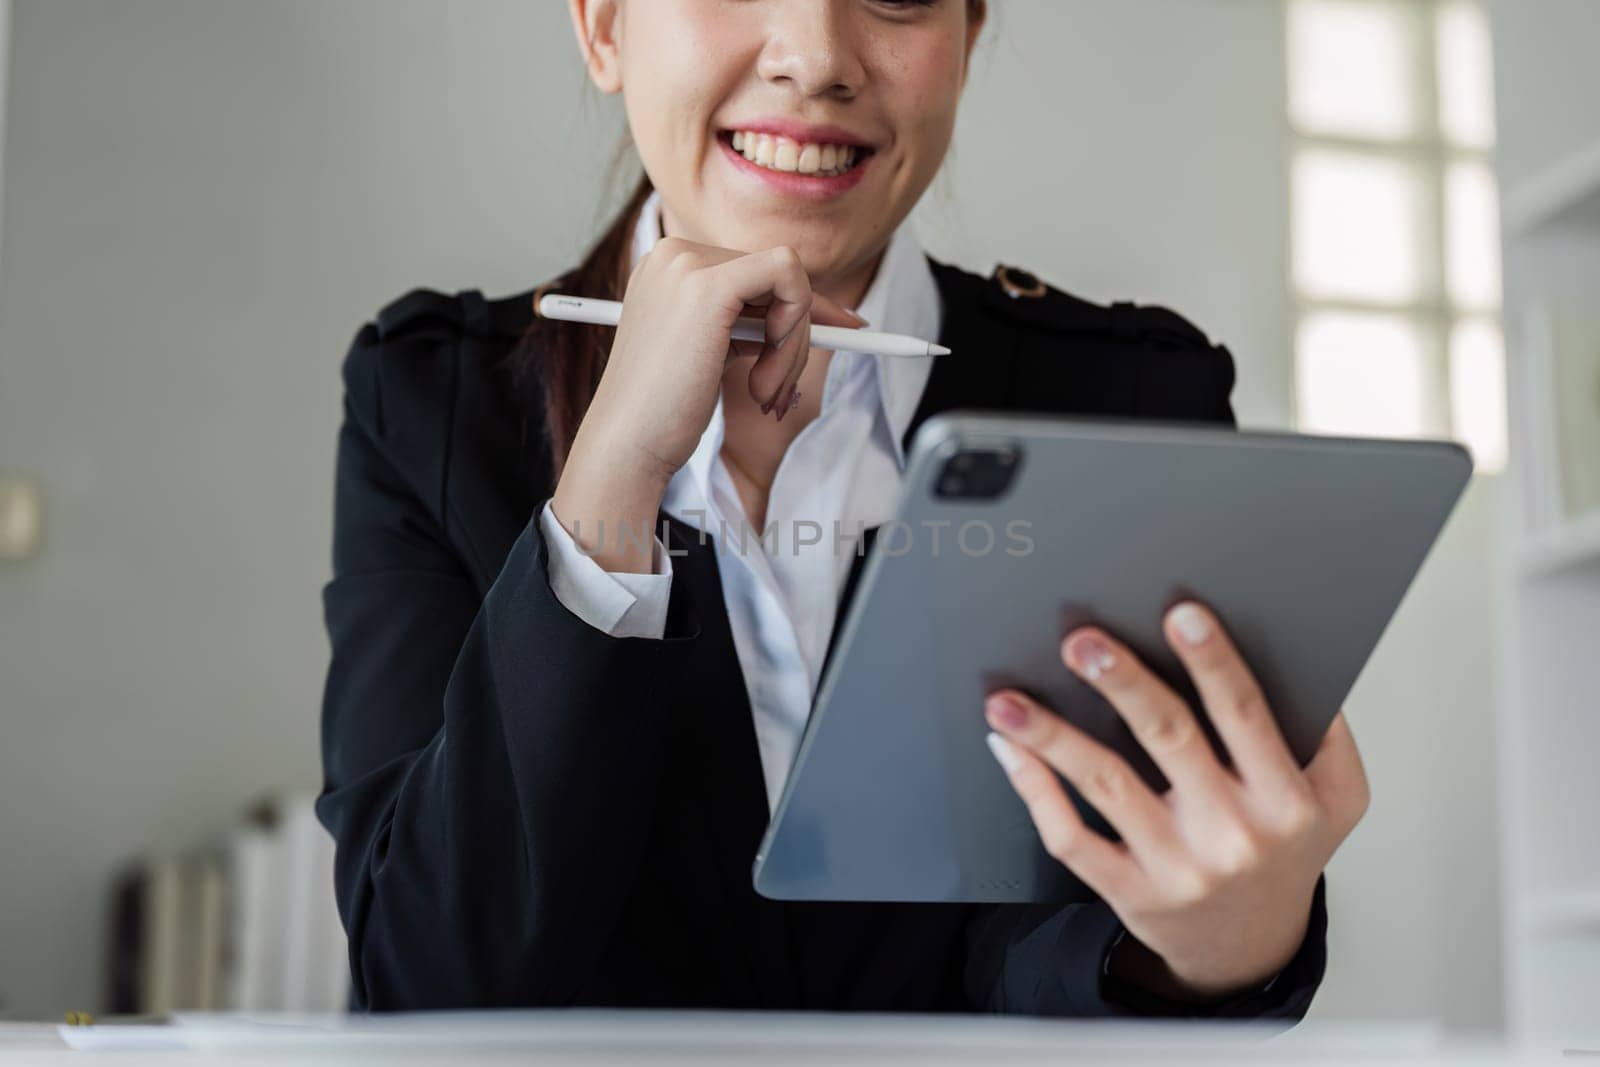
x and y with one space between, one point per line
1215 877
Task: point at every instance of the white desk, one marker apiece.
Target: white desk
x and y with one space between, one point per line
600 1038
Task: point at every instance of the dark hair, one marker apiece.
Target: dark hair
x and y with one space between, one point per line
569 358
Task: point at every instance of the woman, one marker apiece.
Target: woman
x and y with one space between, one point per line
550 753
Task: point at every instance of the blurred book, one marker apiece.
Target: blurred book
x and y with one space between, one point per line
255 942
315 966
125 973
158 975
244 922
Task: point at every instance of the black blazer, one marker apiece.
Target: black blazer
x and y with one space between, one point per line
529 812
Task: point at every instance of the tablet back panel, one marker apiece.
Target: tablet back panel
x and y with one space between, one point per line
1303 545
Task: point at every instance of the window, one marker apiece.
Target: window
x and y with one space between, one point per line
1395 229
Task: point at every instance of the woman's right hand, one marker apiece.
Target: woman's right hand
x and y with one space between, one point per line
663 376
673 344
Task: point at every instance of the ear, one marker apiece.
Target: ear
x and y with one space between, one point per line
976 18
595 24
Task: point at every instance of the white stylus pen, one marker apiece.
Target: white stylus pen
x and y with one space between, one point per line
837 338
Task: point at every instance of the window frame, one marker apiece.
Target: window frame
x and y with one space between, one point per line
1431 154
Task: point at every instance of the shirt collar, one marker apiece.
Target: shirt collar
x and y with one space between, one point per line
903 298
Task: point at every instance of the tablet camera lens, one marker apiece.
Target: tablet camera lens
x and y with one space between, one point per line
978 474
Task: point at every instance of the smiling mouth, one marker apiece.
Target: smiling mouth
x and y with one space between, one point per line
784 156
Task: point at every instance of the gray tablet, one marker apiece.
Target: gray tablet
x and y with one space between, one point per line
1011 531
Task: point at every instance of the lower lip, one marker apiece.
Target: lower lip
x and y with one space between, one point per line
802 186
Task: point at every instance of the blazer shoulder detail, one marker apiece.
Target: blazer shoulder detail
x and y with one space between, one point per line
1048 350
404 359
1021 295
432 381
423 311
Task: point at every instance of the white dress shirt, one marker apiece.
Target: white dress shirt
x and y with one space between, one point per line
840 475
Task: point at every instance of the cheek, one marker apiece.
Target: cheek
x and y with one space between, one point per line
672 92
930 78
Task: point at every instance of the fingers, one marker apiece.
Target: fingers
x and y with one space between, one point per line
1234 701
1159 719
1106 868
784 360
1339 779
772 285
826 312
787 395
1103 778
777 278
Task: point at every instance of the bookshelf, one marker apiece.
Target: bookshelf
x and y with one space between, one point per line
1548 585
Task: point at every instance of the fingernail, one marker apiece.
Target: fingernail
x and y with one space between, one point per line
1004 754
859 319
1006 713
1191 623
766 409
1091 656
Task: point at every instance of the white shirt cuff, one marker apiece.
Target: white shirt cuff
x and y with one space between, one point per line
622 605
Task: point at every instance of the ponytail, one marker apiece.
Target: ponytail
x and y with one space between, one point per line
569 357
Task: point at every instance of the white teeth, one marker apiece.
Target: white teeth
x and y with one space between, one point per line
782 154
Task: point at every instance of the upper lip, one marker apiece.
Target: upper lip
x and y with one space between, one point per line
803 133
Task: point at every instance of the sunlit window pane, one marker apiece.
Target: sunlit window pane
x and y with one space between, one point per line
1360 375
1350 64
1466 75
1478 391
1356 227
1472 229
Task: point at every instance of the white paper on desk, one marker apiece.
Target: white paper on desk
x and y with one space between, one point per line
697 1032
132 1038
683 1031
630 1034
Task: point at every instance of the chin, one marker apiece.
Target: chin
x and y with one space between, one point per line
825 247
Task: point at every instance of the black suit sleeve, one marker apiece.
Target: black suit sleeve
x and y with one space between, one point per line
1045 960
476 755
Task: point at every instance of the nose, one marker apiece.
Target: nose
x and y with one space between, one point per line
810 47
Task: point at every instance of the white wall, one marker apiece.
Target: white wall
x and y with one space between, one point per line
1135 151
1552 115
205 197
5 80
